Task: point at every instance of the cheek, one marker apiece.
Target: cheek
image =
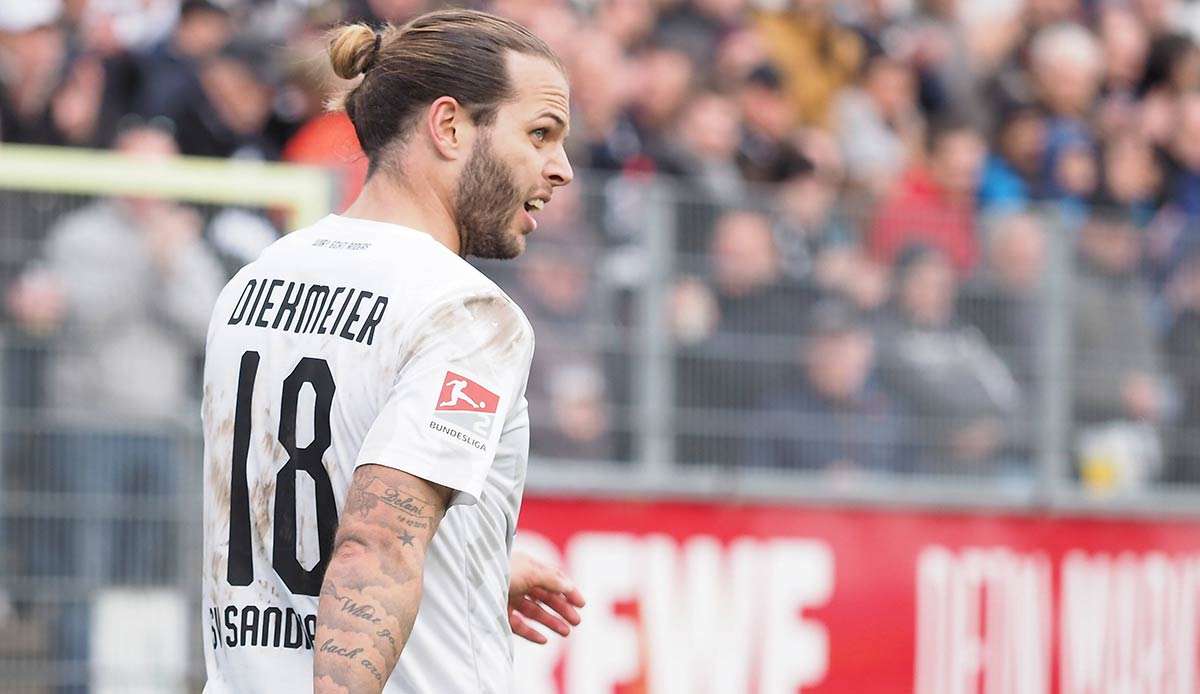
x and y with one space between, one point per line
521 158
535 161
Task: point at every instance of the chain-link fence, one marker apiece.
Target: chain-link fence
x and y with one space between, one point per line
691 340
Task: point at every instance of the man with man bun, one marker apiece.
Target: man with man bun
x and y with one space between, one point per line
366 430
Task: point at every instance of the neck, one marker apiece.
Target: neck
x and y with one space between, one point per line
413 204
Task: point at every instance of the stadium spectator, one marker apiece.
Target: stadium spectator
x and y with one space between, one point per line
697 26
747 293
807 220
33 55
629 22
719 371
1130 175
1172 66
1160 17
959 392
171 84
702 153
934 204
1118 364
1125 45
124 288
766 153
946 64
1122 399
827 414
1066 71
237 107
79 114
878 124
219 90
1183 160
1010 176
1004 300
1158 92
605 124
739 52
1177 225
112 28
55 88
117 273
1007 303
817 55
663 83
747 277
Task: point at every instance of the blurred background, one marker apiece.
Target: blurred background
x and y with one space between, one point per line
863 306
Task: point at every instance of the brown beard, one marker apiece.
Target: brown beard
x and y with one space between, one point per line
484 205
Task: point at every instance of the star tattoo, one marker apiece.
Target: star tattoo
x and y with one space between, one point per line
406 538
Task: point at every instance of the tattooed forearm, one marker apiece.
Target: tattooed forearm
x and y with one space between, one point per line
372 585
415 511
386 634
371 668
365 612
352 655
330 646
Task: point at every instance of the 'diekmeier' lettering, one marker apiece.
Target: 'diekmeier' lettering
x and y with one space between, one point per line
308 309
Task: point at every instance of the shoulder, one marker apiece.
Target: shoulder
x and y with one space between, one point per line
478 317
446 306
442 285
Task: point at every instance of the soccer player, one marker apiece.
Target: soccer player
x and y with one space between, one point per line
365 426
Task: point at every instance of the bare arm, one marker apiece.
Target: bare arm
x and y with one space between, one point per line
372 586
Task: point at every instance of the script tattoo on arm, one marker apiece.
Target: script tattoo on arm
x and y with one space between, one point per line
415 512
372 586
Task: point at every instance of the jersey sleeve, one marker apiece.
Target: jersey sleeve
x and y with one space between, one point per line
465 368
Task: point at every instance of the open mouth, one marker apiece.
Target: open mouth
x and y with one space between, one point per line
532 205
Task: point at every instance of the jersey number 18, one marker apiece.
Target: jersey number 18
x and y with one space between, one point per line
299 580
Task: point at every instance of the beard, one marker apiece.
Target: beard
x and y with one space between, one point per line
484 205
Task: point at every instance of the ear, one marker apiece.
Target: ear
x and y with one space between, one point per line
449 127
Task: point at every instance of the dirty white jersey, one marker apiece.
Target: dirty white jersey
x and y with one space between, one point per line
350 343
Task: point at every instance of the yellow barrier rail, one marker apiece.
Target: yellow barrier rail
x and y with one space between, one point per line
306 192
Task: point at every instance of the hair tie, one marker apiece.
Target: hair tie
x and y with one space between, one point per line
374 51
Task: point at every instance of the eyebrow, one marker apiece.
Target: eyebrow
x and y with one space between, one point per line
558 120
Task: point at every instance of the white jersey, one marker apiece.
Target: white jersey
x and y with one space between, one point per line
347 343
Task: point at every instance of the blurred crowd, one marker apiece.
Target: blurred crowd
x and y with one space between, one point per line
848 237
896 228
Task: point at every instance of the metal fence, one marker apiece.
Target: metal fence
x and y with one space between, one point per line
691 341
763 348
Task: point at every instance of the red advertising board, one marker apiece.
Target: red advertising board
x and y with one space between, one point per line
695 598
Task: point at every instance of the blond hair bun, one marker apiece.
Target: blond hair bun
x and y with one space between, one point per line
352 50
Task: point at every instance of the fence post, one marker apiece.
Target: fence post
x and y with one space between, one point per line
189 524
654 371
1055 369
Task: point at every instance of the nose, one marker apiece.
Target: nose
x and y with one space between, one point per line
558 169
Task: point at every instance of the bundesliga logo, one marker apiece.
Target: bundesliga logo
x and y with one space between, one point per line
466 405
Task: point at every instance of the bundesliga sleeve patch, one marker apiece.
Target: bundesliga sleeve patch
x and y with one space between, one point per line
468 408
